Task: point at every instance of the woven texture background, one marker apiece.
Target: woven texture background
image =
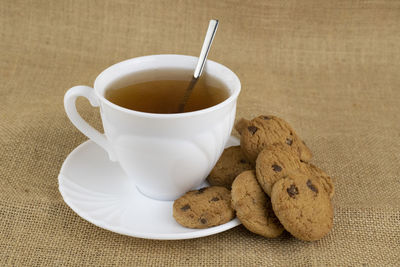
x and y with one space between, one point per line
331 68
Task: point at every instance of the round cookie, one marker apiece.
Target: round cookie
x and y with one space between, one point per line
253 207
203 208
231 163
324 178
274 163
268 130
302 206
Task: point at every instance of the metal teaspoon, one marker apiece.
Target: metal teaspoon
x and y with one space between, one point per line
212 29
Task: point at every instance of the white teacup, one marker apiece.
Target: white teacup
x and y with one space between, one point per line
166 155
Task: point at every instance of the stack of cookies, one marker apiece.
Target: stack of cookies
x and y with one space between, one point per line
268 181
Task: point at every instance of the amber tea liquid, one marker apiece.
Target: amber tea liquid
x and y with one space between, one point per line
163 94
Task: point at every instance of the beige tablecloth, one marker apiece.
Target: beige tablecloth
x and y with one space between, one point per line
331 68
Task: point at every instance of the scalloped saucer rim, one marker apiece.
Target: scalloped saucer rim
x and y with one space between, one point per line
98 191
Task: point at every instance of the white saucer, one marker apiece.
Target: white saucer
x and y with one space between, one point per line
99 192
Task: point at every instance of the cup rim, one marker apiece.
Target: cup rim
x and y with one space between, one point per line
233 96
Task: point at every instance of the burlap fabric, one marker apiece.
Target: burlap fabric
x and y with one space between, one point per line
331 68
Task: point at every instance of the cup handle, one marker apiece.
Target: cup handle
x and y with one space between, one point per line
70 108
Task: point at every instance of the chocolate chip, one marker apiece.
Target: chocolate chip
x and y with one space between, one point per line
266 118
186 207
289 141
276 168
252 129
291 133
214 199
292 191
311 186
203 221
243 161
201 190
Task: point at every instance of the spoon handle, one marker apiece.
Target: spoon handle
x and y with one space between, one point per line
212 29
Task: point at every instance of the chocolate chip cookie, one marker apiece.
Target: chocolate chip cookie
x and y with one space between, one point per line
203 208
253 207
324 179
274 163
302 206
268 130
231 163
